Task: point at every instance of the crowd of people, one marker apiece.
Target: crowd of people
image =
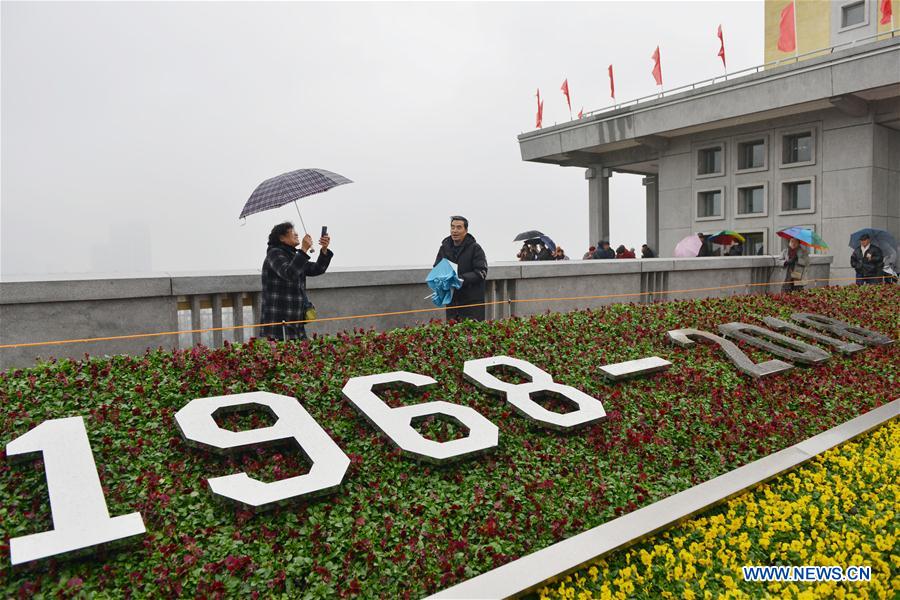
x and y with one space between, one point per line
539 250
288 264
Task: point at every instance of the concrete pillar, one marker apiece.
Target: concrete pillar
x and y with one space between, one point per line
651 188
598 203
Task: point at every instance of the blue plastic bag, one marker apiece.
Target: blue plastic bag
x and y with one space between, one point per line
443 280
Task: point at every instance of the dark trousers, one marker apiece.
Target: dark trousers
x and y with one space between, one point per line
475 313
284 332
863 280
789 282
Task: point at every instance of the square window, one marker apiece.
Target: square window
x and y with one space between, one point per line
796 195
709 204
797 148
709 161
751 200
752 154
853 14
755 244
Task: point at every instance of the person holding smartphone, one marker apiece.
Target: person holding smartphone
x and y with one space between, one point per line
284 273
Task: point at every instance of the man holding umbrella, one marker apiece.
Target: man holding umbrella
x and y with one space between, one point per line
867 259
462 249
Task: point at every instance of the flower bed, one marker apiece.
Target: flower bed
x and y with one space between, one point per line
839 509
398 528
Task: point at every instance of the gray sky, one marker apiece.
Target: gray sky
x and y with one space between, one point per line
133 133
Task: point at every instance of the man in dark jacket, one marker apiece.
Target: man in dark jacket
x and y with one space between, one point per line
543 252
868 260
736 249
646 252
603 250
284 274
704 248
462 249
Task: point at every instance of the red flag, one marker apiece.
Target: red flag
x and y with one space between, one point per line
887 13
612 84
722 48
657 67
787 38
565 90
540 110
581 112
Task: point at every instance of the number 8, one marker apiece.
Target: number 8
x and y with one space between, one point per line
590 410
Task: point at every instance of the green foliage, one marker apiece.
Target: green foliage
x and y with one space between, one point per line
398 528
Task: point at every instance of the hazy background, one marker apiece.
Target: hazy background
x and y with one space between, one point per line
133 133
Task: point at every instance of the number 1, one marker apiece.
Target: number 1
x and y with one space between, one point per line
80 516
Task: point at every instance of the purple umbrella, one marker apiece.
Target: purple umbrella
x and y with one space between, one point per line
288 187
688 247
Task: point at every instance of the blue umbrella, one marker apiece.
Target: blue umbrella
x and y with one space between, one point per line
288 187
879 237
548 243
443 280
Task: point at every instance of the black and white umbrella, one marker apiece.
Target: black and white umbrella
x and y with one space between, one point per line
289 187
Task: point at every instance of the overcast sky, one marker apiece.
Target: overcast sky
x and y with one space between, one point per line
133 133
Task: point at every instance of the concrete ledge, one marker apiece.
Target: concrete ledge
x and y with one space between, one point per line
27 290
568 268
216 284
724 262
530 572
654 265
81 289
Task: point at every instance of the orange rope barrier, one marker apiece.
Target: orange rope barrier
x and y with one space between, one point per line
415 311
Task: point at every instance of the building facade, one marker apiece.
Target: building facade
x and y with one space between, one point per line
814 142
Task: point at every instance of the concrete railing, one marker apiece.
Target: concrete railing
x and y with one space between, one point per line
93 306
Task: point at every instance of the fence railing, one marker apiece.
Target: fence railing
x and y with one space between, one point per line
128 315
742 72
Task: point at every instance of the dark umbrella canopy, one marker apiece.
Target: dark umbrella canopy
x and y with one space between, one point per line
532 234
288 187
550 244
879 237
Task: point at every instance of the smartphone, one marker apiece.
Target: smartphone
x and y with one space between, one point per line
324 230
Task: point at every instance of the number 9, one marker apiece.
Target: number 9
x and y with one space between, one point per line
329 463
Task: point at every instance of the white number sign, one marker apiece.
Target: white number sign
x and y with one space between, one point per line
589 410
396 423
80 517
329 463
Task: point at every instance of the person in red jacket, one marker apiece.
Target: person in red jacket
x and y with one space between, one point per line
623 252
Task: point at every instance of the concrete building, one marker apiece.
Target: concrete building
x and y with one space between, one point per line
822 25
813 142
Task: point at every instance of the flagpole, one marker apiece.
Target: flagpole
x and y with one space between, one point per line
796 32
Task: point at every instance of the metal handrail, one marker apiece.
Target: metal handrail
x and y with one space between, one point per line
749 70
